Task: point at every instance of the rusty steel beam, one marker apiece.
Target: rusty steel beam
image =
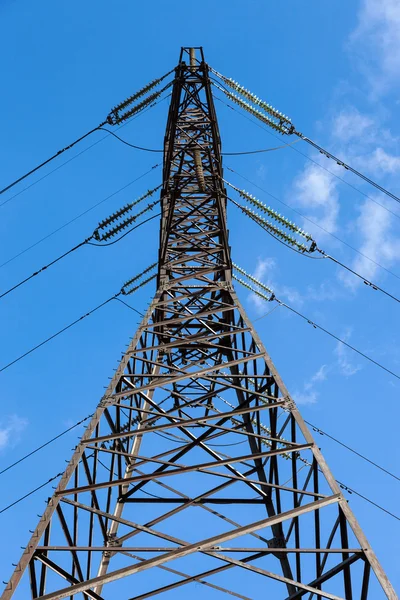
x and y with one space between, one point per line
196 383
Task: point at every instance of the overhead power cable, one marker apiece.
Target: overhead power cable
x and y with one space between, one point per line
288 240
120 139
341 484
272 297
20 460
82 152
281 123
368 460
313 222
102 233
117 115
30 493
125 290
295 149
85 212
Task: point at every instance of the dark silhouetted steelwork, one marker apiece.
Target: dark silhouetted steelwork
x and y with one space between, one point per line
197 467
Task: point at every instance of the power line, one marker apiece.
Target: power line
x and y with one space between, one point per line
374 286
85 242
353 491
48 160
55 335
341 484
114 118
30 493
310 322
80 215
313 222
347 166
338 339
321 432
269 228
285 126
17 462
44 268
123 290
292 147
82 152
259 151
222 153
128 143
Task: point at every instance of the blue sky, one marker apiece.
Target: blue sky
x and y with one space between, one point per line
333 68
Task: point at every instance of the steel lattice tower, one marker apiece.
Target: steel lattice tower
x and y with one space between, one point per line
197 467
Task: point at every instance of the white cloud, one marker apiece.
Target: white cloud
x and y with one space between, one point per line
10 431
377 37
347 368
264 265
310 395
381 161
262 272
306 397
327 290
320 375
315 190
350 124
377 242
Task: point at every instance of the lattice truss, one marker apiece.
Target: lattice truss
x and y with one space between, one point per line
197 473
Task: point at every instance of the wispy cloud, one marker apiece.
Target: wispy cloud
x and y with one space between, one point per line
346 366
379 161
378 242
350 124
11 429
315 190
264 272
378 29
309 395
306 397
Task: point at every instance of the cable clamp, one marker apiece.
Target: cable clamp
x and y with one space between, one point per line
105 401
289 404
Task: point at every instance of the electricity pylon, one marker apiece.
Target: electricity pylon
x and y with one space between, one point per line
197 467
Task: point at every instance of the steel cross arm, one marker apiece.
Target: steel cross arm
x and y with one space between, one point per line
198 579
216 305
199 442
161 518
77 455
190 549
200 467
202 310
173 265
191 317
191 578
233 329
223 431
197 274
182 421
201 294
327 575
232 478
186 375
287 580
189 340
227 386
235 549
64 574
